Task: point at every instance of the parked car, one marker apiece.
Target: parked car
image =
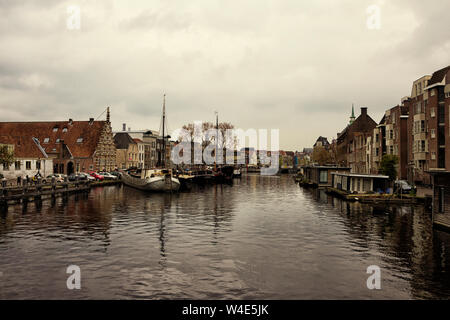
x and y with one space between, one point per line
58 178
108 176
77 176
403 186
86 176
117 174
97 176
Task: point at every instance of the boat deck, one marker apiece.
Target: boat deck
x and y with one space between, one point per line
442 220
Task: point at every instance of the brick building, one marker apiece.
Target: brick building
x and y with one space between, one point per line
428 126
351 143
391 137
73 146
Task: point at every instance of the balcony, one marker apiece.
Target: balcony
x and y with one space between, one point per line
420 156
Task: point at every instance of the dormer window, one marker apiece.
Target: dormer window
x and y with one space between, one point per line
46 140
58 140
80 140
64 130
55 129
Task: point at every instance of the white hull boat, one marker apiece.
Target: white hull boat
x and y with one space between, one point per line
155 180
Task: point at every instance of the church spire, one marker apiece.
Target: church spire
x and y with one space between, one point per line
352 118
107 115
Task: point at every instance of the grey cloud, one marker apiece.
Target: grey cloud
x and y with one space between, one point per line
293 65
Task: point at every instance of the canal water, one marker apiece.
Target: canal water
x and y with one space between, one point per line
261 238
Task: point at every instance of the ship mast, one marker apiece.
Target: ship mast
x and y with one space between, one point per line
217 141
163 133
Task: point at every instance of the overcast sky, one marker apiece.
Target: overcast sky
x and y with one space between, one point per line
292 65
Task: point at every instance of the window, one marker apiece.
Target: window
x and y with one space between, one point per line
433 133
28 165
80 140
58 140
433 156
377 152
64 130
391 149
441 200
55 129
433 112
38 165
422 146
422 126
418 108
323 176
17 165
5 167
46 140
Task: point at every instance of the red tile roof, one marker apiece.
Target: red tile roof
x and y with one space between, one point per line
24 147
70 132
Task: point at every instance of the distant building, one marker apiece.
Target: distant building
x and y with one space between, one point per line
127 154
322 142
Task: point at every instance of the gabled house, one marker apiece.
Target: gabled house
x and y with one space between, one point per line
30 158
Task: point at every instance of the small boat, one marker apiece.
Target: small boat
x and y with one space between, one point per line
186 181
154 180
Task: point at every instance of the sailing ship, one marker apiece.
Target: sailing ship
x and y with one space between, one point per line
158 179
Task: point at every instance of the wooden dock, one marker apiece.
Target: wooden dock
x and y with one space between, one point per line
37 192
379 198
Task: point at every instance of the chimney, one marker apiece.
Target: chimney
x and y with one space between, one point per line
364 111
91 120
71 121
124 127
129 129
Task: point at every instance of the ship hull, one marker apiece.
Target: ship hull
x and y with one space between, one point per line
157 184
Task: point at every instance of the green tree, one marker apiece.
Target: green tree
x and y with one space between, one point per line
388 166
321 155
6 156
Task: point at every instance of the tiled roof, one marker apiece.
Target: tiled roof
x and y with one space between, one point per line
138 140
24 147
438 76
81 137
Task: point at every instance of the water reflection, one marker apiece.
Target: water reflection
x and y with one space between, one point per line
262 237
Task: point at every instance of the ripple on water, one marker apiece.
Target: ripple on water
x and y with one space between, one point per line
262 238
